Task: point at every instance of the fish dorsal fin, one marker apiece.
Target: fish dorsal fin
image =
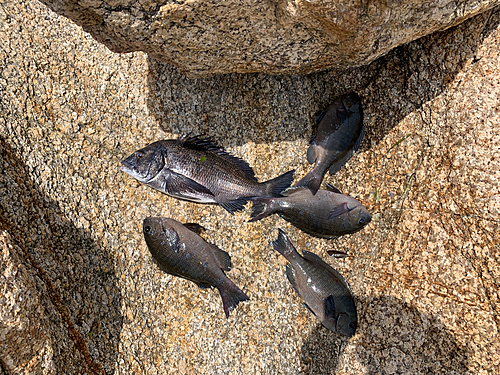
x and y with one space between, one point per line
330 307
293 189
196 228
335 167
333 189
223 257
313 258
207 144
338 211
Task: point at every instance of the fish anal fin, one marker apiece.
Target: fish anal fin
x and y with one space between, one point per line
330 312
203 285
236 205
338 210
223 257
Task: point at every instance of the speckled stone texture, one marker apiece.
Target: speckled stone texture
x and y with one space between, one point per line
204 37
425 271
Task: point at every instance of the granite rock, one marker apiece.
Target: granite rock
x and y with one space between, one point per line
424 272
274 36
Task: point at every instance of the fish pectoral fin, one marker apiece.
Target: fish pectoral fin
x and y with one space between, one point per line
320 116
290 275
330 312
177 184
338 210
332 188
223 257
196 228
233 206
307 306
311 153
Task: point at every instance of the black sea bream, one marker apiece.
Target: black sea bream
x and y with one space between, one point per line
197 170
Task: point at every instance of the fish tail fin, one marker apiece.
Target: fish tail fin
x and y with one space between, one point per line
231 296
261 208
312 180
283 245
275 186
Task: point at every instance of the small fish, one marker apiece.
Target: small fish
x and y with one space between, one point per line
324 290
195 169
328 214
179 251
339 135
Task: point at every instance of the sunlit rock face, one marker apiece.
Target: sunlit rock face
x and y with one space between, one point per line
80 292
272 36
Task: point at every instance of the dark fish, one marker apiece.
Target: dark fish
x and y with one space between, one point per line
339 135
197 170
328 214
179 251
324 290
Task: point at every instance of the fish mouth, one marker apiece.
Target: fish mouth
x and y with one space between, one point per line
131 172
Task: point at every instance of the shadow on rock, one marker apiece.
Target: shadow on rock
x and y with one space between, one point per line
238 108
392 338
75 277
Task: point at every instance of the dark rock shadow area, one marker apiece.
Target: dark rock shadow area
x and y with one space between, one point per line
393 338
238 108
75 276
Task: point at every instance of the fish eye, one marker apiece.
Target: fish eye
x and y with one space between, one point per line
147 229
362 221
352 325
139 154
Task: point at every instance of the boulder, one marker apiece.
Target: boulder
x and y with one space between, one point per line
204 37
79 287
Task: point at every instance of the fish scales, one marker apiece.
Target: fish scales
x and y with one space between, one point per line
327 214
197 170
324 290
179 251
339 135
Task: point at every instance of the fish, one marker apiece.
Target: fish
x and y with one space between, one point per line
339 135
328 214
180 251
324 290
196 169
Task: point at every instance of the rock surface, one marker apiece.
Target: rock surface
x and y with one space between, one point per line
79 285
203 37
